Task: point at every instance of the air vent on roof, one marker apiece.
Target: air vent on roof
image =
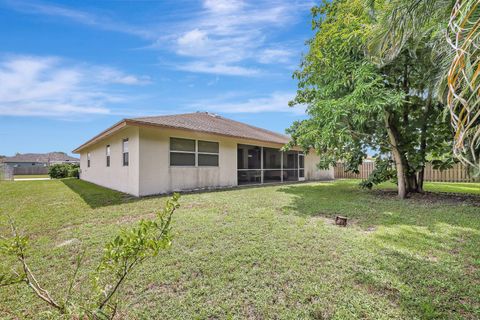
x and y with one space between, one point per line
211 114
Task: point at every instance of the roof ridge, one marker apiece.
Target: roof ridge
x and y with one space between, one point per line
255 127
214 115
162 116
200 121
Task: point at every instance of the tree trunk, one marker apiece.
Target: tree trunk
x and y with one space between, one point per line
394 138
423 140
412 184
421 177
402 187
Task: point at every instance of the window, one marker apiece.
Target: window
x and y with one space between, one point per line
187 152
182 152
125 152
107 154
184 145
208 153
88 159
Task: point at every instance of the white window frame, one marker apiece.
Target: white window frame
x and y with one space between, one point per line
207 153
127 140
108 158
195 153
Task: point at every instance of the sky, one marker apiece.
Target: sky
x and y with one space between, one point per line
70 69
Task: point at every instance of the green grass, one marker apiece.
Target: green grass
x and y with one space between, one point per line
30 176
263 253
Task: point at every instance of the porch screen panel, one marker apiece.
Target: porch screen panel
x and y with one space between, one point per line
249 164
290 166
272 165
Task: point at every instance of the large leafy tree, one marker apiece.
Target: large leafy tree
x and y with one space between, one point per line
356 104
456 35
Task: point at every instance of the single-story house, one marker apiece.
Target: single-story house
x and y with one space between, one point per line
36 163
155 155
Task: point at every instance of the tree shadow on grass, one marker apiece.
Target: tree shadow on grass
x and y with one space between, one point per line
371 208
421 254
96 196
430 283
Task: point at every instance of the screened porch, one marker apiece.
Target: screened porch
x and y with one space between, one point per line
258 165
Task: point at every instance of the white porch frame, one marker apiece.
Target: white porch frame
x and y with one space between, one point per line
281 169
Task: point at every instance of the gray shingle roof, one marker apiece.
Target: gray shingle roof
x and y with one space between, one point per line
41 157
211 123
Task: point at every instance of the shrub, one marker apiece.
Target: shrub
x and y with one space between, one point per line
64 170
74 171
120 257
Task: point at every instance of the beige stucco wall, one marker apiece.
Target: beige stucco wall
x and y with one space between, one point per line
157 176
149 171
117 176
311 170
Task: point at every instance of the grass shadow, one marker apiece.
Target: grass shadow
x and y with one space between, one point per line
398 272
421 254
372 208
97 196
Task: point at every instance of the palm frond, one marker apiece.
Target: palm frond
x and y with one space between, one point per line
463 80
403 21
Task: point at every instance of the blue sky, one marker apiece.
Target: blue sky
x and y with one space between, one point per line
69 69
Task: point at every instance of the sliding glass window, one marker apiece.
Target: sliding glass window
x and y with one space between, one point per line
191 153
208 153
182 152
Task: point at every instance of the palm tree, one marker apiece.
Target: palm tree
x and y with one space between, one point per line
463 80
453 28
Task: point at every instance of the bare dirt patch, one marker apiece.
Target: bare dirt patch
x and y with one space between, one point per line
433 197
329 219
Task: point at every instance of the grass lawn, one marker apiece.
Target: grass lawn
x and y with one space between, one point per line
263 253
30 176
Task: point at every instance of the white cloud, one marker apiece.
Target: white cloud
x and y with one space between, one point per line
224 35
274 56
275 102
192 38
223 5
50 86
205 67
111 75
229 33
82 17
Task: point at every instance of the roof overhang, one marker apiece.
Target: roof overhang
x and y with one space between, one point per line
130 122
102 135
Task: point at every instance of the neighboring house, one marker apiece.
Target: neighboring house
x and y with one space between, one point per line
37 163
154 155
